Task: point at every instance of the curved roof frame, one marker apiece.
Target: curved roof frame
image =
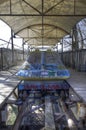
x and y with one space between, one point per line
40 25
24 14
32 26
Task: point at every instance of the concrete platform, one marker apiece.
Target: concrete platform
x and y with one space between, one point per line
8 81
78 83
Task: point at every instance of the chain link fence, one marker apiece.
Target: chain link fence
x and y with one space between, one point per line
9 58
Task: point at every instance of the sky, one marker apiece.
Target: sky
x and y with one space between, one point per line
5 35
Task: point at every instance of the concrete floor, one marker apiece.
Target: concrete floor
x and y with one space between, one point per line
78 83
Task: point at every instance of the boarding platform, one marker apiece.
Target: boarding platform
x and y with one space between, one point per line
77 81
8 82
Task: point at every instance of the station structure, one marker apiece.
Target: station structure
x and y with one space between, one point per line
56 26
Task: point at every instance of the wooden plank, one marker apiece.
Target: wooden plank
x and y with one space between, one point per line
49 118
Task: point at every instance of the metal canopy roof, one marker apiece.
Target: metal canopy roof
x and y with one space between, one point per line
42 22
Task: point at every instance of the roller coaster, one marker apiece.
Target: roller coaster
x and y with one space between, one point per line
45 100
43 66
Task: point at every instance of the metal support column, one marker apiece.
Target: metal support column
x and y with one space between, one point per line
28 49
12 46
23 47
57 43
42 23
2 58
57 48
81 49
76 47
62 50
72 64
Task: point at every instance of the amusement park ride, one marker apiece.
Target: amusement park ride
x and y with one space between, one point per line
43 65
43 70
